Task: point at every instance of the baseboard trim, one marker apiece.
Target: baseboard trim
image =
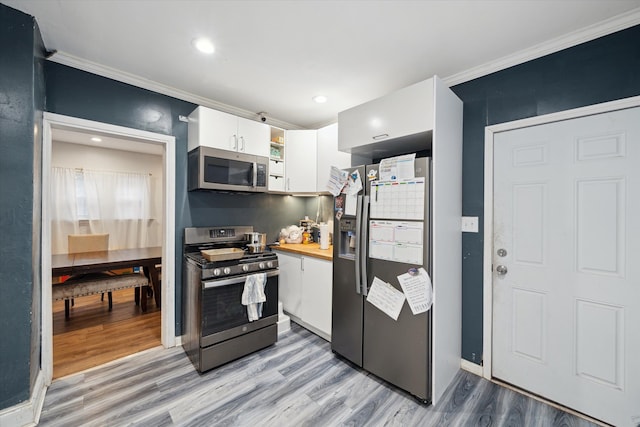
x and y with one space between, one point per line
471 367
26 413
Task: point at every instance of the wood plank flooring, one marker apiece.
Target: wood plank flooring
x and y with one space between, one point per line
296 382
93 335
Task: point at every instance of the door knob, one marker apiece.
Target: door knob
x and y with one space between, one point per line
501 270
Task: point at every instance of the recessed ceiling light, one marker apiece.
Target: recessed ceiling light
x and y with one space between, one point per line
96 139
320 99
204 45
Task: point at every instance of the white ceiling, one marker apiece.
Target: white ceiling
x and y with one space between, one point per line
274 56
110 141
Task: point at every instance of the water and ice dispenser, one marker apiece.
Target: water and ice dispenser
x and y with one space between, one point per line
348 238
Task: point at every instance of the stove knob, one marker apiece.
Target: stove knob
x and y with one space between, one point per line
216 272
261 265
245 268
227 270
270 264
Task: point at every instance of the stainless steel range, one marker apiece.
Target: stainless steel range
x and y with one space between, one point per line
216 324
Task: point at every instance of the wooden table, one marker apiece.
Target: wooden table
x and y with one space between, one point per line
95 262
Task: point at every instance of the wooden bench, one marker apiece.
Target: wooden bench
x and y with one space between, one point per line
91 284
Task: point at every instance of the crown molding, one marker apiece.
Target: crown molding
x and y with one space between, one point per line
141 82
603 28
592 32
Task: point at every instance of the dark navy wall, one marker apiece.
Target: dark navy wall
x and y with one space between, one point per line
39 95
598 71
21 103
76 93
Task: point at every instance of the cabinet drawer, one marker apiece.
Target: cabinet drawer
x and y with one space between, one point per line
276 167
276 183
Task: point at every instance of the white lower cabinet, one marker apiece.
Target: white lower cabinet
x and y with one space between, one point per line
316 293
305 291
290 283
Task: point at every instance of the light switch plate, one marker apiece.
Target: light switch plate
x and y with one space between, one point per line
470 224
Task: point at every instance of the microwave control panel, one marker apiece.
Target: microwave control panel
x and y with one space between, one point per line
261 175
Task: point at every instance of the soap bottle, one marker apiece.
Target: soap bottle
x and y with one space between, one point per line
305 237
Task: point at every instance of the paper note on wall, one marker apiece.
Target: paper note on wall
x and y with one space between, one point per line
386 298
418 290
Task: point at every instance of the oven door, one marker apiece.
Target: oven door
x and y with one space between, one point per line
223 315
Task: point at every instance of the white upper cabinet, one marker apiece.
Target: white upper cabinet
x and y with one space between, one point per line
405 112
327 155
300 164
213 128
253 137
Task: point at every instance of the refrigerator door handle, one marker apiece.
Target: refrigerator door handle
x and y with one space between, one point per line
364 241
358 230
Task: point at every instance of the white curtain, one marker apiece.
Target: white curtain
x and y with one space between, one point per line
64 216
118 203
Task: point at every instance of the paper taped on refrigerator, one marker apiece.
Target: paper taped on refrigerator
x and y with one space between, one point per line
398 199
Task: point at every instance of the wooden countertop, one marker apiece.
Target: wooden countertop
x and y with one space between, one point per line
310 249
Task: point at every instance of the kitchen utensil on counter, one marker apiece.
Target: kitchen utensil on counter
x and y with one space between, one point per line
256 238
256 242
291 234
223 254
256 248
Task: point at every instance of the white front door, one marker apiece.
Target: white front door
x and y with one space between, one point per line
566 263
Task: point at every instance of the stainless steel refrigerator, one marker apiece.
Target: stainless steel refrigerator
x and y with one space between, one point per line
383 232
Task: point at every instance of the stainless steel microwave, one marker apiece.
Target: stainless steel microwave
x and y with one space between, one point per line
215 169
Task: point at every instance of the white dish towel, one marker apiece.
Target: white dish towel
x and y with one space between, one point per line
253 295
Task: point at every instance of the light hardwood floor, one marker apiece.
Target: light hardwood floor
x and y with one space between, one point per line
296 382
93 335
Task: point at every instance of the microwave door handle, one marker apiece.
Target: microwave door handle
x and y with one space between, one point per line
364 242
254 173
358 263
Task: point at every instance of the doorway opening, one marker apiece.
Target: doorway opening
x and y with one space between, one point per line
140 145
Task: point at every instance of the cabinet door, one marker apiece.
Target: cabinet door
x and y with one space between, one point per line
328 155
405 112
218 129
253 137
316 294
212 128
300 161
290 283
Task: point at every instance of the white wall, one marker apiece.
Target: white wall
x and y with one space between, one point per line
78 156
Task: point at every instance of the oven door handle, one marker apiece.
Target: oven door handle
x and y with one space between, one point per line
234 280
